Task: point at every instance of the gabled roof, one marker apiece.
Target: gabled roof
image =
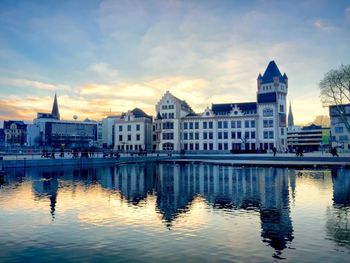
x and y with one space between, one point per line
271 72
227 107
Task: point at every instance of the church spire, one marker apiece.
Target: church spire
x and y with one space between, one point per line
55 112
290 116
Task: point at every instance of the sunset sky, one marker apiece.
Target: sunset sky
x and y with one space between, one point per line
105 57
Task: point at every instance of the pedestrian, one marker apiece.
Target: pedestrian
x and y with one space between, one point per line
334 152
274 150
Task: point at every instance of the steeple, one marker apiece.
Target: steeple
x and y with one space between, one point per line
290 116
55 112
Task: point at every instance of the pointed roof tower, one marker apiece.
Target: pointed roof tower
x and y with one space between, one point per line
290 116
55 112
271 72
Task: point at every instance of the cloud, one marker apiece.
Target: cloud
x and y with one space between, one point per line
18 82
105 71
323 25
347 11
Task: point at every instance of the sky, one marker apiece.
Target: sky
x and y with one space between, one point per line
104 57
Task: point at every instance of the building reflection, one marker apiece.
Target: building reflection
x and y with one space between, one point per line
262 190
338 216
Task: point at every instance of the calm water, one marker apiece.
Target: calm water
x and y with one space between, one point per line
169 213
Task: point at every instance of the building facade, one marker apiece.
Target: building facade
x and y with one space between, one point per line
309 138
15 133
133 131
340 135
108 131
249 126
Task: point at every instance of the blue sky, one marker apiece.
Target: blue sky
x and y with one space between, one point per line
111 56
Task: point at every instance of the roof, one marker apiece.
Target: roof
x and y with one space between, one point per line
158 116
267 97
271 72
55 112
20 124
138 113
312 127
227 107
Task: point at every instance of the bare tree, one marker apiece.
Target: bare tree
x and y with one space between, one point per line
335 91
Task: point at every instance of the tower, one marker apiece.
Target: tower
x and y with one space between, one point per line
55 112
272 89
290 116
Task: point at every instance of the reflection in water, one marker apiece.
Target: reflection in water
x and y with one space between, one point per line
264 191
338 224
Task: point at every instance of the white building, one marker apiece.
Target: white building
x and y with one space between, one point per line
340 135
108 131
33 135
133 131
229 126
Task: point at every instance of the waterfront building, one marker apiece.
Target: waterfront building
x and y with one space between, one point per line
33 135
309 138
2 138
230 126
133 131
108 131
56 132
340 135
15 133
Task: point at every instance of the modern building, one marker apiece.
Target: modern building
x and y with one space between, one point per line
230 126
33 135
55 132
133 131
15 133
340 135
108 131
2 138
309 138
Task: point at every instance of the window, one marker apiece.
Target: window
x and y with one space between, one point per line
219 135
219 124
252 124
196 125
271 134
219 146
129 127
233 135
233 124
196 136
171 115
210 135
339 129
246 135
239 135
268 112
268 123
211 146
246 124
210 125
225 146
266 135
129 137
120 138
191 135
282 131
196 146
225 124
205 135
120 128
185 125
137 127
205 146
185 136
239 124
281 108
204 125
137 137
252 134
191 125
225 135
343 138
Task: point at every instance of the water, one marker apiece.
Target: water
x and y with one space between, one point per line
171 213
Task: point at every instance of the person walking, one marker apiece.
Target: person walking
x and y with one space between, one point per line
334 152
274 150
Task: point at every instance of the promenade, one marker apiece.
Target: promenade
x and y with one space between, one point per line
314 159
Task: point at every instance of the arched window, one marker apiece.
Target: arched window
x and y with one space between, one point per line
268 112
